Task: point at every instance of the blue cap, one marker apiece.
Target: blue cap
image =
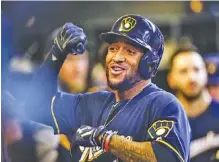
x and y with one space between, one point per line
212 65
139 31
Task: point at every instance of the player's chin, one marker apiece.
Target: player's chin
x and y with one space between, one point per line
193 91
192 94
115 81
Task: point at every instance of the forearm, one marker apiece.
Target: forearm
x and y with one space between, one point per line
128 150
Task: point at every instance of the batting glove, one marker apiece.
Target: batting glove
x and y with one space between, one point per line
91 137
70 39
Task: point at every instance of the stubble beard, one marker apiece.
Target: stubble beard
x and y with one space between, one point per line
128 82
190 98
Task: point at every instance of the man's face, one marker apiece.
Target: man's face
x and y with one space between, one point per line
188 76
74 71
122 62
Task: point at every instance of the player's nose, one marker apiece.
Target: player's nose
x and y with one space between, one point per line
119 56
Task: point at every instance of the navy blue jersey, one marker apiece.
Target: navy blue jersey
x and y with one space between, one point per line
153 115
202 127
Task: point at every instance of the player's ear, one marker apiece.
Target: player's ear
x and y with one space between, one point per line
170 80
103 50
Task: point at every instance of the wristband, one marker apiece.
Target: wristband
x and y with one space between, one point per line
106 144
106 140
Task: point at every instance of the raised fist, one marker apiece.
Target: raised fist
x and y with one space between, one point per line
71 39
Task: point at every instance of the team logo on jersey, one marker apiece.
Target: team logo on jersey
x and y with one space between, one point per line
160 128
91 153
127 24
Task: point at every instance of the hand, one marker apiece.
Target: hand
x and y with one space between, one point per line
70 39
88 136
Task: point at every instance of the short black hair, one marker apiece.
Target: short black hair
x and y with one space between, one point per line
180 50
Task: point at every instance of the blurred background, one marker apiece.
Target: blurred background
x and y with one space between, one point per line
35 23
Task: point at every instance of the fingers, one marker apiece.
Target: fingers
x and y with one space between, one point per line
77 44
66 41
71 38
68 32
80 48
69 29
65 27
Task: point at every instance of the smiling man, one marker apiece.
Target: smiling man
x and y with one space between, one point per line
122 60
188 78
136 121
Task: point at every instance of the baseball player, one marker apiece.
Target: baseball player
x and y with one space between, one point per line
212 65
136 120
188 78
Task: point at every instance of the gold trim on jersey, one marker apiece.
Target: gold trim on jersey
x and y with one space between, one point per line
53 115
64 142
171 147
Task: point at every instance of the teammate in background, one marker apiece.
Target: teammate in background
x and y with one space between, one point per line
212 64
188 78
137 121
74 72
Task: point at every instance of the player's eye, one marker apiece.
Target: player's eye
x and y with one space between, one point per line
131 52
112 49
